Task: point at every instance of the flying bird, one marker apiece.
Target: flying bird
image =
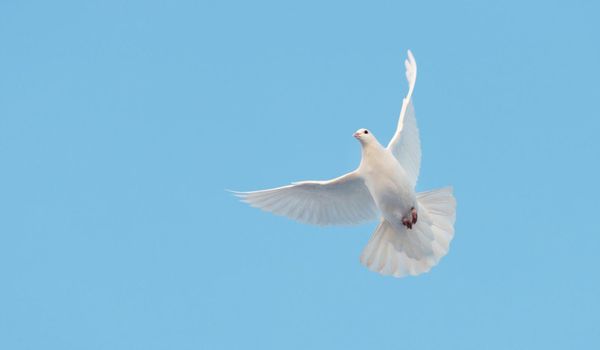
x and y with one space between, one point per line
414 230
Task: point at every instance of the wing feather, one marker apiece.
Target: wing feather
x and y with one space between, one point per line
341 201
406 145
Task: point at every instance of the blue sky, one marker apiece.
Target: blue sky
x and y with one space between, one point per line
122 124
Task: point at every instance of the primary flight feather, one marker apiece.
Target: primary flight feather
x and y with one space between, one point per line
415 229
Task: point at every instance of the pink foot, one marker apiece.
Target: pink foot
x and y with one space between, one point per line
411 219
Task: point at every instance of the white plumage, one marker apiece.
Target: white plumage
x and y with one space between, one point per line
415 229
341 201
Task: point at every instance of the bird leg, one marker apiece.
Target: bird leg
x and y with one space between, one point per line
410 219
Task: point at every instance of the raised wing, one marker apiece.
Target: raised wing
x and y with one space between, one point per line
341 201
406 145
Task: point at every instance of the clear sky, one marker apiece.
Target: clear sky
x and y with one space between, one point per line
123 122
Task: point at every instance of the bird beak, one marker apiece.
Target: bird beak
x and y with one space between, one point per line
356 135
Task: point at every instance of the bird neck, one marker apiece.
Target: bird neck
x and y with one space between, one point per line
370 148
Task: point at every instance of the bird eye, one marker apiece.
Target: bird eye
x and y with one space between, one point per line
366 131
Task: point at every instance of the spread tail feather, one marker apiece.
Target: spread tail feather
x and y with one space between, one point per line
402 252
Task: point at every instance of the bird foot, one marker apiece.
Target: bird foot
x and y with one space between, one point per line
410 219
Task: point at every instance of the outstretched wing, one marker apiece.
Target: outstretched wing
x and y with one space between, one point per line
405 145
341 201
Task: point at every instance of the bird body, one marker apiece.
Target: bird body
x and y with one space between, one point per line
414 230
387 181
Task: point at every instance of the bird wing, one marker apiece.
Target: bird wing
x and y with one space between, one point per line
341 201
406 145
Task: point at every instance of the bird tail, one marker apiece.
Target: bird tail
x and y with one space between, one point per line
400 251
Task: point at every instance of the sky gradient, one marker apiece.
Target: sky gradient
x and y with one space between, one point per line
123 123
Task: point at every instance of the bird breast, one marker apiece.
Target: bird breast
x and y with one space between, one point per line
388 184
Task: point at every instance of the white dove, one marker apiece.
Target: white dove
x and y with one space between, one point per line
415 229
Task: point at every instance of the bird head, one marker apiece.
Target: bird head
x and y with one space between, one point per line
364 136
